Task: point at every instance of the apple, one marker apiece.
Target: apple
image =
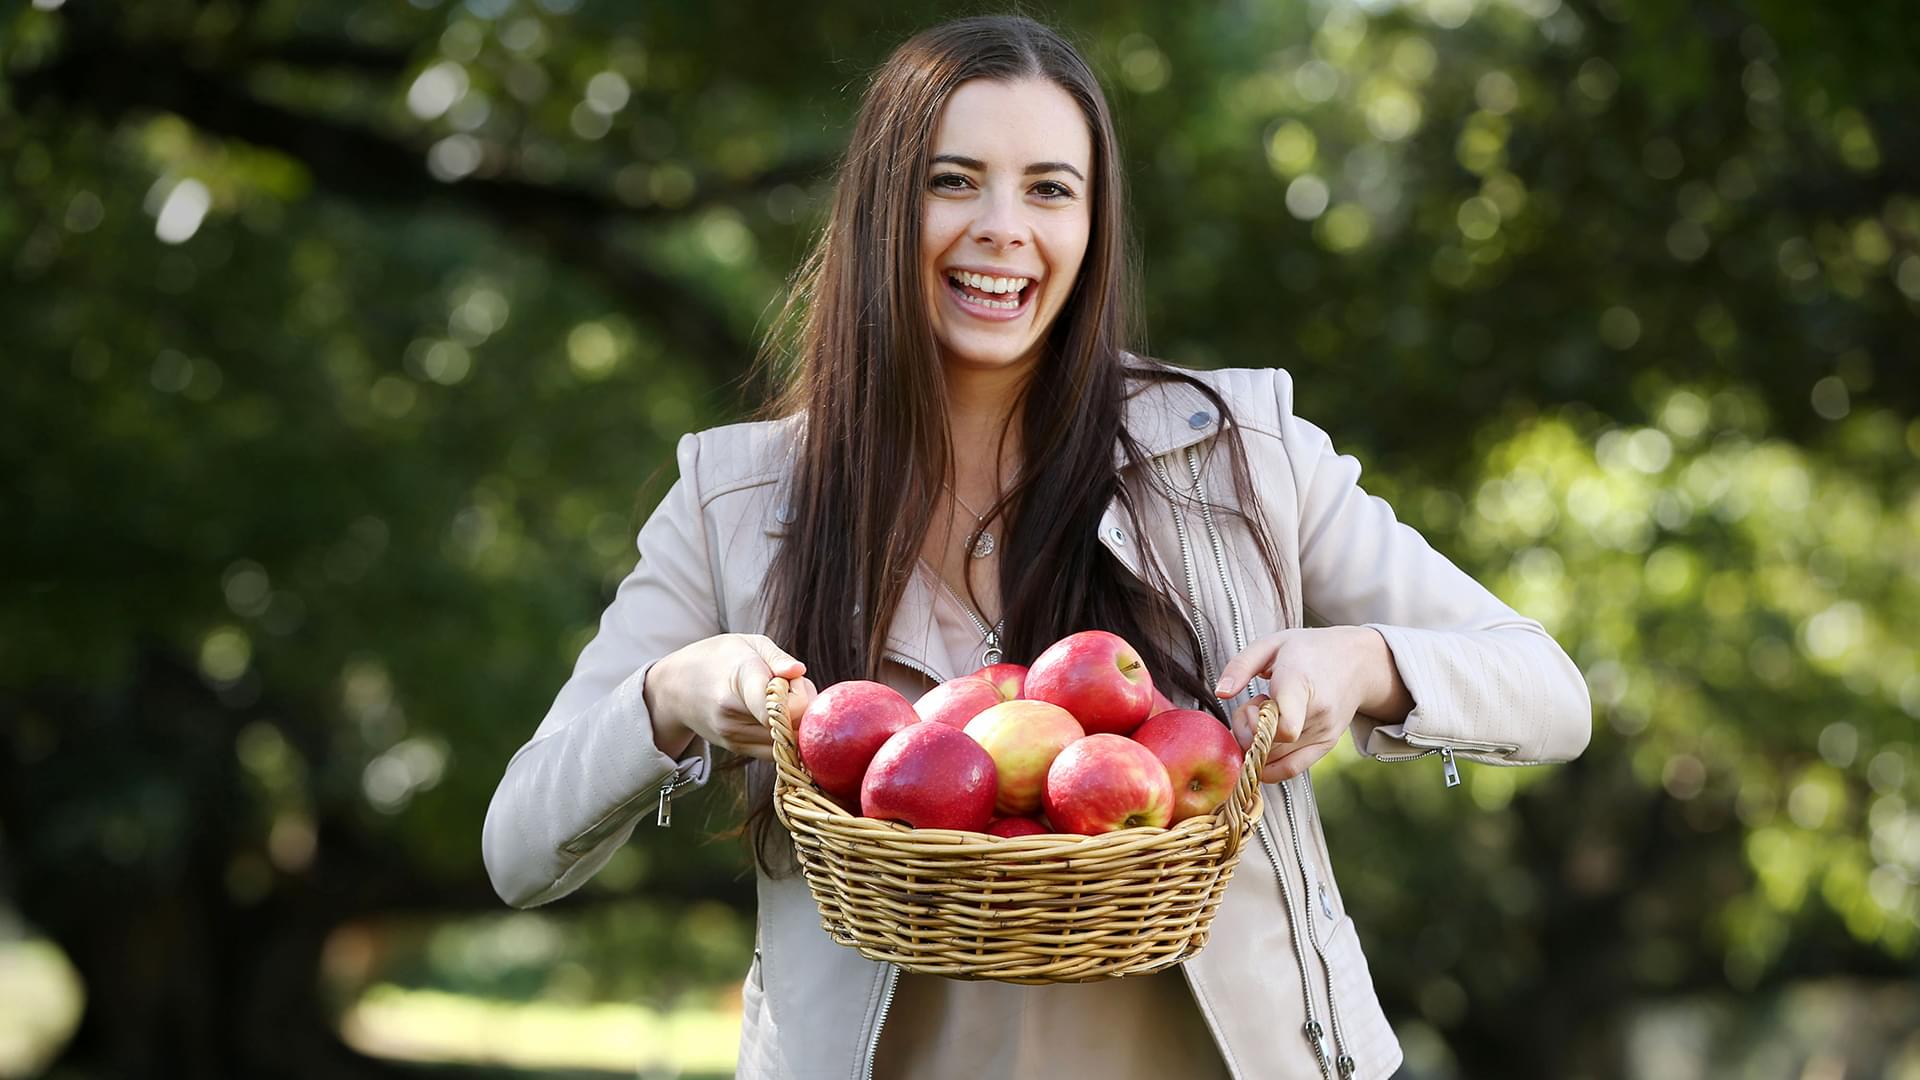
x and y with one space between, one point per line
1106 782
1017 826
1009 679
844 727
1023 737
931 776
1097 677
1160 704
1201 755
957 701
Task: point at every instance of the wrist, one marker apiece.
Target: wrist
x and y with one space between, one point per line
1383 694
670 736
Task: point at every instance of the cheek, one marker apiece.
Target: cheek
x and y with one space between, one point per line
939 228
1067 253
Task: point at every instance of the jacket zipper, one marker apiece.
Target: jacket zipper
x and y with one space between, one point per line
1311 1029
1343 1061
1449 767
893 970
908 662
880 1018
989 634
664 816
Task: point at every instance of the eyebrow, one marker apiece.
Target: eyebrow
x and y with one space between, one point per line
1034 169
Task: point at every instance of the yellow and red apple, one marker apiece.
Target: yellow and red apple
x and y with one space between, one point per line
1023 738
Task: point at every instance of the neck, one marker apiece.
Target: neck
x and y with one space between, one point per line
980 410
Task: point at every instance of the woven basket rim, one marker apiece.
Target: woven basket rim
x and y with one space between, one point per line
791 778
1039 909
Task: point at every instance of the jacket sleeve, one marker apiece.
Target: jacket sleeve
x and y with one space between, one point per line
573 794
1486 681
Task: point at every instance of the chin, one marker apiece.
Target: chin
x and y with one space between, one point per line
993 358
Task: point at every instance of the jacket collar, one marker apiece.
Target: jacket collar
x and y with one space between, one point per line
1162 417
1166 416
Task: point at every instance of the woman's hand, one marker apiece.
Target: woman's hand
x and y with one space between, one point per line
716 688
1320 678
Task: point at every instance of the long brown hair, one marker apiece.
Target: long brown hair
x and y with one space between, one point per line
861 370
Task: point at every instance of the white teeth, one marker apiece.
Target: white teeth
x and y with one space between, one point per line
990 284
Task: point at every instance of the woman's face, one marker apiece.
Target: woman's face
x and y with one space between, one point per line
1007 211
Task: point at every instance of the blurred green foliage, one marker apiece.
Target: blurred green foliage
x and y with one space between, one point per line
351 341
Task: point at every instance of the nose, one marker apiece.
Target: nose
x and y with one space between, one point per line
1001 223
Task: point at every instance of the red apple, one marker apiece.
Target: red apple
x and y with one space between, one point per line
1097 677
1009 679
1023 737
1017 826
931 776
1106 782
1160 704
844 727
957 701
1201 755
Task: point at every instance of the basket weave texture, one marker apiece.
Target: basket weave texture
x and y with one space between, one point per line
1042 909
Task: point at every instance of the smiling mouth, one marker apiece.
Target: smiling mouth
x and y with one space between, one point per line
990 293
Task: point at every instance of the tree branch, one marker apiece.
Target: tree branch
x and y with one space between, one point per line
112 79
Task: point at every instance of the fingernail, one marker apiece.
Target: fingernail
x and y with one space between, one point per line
1220 688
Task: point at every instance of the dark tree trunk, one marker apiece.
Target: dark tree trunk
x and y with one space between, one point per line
122 835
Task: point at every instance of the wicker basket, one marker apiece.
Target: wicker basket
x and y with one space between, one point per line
1031 909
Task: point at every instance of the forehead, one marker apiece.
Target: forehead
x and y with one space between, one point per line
1012 124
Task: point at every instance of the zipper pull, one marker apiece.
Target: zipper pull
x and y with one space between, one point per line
1318 1036
664 817
1452 770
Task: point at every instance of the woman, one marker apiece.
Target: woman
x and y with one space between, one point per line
967 464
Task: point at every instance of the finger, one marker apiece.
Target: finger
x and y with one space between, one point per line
750 686
799 696
763 751
1293 697
1246 719
1256 659
776 658
742 735
1294 762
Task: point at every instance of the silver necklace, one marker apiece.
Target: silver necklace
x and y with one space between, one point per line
982 545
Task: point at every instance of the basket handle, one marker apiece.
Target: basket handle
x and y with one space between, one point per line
786 754
1246 794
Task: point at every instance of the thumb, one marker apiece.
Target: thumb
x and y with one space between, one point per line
776 658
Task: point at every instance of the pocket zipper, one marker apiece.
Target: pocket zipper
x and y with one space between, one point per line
1446 748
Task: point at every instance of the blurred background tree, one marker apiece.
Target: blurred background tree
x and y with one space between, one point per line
351 341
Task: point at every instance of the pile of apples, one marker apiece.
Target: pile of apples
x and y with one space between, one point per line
1081 737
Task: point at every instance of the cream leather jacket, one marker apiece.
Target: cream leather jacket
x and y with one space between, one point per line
1282 984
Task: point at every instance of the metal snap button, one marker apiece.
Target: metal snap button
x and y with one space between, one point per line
1116 535
1199 420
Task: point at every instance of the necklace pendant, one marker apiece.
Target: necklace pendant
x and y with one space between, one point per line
982 544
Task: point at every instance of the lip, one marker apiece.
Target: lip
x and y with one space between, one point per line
973 310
